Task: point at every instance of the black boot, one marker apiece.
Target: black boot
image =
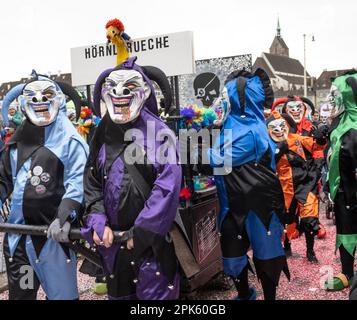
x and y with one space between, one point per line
311 256
310 253
269 287
242 286
287 248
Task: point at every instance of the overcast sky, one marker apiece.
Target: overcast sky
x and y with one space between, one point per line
39 33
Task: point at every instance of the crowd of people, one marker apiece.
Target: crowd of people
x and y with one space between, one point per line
65 167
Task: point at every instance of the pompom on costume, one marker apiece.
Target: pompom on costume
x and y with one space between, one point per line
87 123
195 117
42 167
342 173
251 198
140 199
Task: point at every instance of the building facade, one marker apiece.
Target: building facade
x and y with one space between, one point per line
286 73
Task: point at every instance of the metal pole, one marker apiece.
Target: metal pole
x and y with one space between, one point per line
305 78
89 98
177 95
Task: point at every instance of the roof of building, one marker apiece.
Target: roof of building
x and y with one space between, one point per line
324 81
293 80
285 64
260 63
281 42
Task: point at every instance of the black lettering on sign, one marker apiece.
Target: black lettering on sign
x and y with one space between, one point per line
151 44
101 51
143 45
129 46
135 46
87 53
166 42
158 43
109 50
94 51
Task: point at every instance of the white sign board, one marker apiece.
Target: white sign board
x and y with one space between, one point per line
173 53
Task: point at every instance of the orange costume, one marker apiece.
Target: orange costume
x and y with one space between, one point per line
298 179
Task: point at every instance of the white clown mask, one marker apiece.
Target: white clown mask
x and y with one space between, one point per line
325 113
40 102
124 93
223 105
296 109
278 130
336 101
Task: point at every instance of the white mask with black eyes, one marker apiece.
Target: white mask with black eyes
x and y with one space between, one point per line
40 102
125 93
278 130
296 109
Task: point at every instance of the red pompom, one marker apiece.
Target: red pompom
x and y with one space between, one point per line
322 232
185 193
115 23
86 112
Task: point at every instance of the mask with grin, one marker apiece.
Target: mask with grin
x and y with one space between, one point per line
296 109
124 93
278 130
336 101
40 102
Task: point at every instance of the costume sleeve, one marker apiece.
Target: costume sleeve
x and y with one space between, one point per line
155 220
73 181
94 217
352 135
281 149
6 184
239 152
308 143
17 118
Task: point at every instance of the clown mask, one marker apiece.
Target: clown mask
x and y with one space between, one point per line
124 93
296 109
40 102
278 130
336 101
325 113
222 106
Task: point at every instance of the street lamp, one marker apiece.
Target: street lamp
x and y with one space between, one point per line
305 73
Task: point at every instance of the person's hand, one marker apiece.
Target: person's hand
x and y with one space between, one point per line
129 242
57 232
108 238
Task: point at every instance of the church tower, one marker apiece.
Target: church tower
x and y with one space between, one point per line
279 47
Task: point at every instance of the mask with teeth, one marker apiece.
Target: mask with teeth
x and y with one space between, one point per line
336 101
296 109
40 102
325 113
124 93
222 105
278 130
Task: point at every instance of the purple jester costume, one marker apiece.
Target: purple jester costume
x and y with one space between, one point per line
139 196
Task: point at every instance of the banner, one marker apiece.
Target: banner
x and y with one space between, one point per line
173 53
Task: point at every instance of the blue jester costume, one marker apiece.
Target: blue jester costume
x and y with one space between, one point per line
42 170
250 195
